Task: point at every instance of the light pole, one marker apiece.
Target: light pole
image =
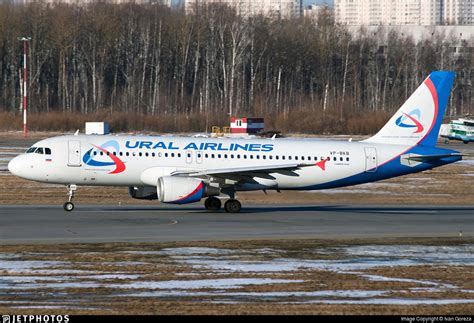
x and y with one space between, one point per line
25 41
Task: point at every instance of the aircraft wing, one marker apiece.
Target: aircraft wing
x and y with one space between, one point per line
242 172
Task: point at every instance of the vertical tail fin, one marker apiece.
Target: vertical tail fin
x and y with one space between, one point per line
419 119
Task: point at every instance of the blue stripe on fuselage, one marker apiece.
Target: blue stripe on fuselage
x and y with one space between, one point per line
391 169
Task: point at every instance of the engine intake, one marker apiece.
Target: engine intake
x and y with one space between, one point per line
182 190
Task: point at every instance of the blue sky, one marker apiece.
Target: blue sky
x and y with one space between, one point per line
308 2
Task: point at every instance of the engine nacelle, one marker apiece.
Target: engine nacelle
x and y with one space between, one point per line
143 192
182 190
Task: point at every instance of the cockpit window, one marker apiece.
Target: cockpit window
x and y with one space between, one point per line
39 151
47 151
31 150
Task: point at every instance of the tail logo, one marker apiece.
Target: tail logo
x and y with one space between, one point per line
119 164
412 121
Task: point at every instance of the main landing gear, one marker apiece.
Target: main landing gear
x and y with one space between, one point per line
230 206
69 206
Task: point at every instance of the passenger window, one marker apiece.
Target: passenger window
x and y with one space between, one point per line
347 159
289 157
166 154
47 151
172 154
270 157
245 156
258 156
206 155
140 154
334 158
39 151
296 157
179 154
152 154
277 157
264 157
251 156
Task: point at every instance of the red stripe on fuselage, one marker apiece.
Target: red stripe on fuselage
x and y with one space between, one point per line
119 165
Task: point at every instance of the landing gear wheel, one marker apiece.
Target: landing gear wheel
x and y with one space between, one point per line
212 204
68 206
232 206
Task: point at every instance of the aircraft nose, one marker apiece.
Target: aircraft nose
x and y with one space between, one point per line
14 166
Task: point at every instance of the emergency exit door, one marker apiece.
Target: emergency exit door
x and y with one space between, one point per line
74 155
370 159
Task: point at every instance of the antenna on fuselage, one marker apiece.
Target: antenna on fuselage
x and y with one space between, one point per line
76 133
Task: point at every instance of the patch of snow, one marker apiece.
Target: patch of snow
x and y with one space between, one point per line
220 283
195 251
461 255
12 266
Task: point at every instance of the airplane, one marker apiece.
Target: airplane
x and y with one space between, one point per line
181 170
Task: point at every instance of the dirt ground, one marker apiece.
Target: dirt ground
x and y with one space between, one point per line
148 261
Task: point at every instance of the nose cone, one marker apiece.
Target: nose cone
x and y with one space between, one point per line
14 166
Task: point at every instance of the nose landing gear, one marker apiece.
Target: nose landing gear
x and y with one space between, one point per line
69 206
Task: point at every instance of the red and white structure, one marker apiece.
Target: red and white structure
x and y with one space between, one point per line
246 125
25 41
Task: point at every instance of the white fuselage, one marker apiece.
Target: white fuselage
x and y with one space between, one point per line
79 160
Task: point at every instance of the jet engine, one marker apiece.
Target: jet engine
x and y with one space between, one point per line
143 192
182 190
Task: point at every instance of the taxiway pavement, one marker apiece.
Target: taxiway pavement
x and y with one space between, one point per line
99 223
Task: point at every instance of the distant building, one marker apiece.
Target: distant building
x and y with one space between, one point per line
274 8
458 12
404 12
313 11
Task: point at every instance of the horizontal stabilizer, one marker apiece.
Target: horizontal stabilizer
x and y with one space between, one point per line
427 158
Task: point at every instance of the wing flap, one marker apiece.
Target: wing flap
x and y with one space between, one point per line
253 171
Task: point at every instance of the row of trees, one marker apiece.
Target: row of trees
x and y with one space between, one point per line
150 60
